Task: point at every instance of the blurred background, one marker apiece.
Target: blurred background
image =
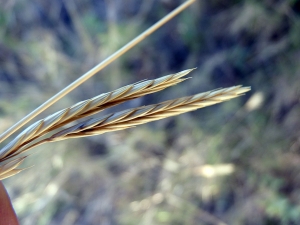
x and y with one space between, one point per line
234 163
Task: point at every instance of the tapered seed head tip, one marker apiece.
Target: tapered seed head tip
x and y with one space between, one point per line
184 72
242 90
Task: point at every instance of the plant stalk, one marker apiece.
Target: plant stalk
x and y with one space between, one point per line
93 71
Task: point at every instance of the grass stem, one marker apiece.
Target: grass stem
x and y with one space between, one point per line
93 71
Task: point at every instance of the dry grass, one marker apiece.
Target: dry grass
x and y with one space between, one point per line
10 155
34 135
96 69
88 108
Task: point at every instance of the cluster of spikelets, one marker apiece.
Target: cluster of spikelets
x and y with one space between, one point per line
11 155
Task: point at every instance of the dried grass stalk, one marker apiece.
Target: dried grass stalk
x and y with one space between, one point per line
133 117
90 107
94 70
112 122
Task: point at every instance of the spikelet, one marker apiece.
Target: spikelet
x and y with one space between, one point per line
9 169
